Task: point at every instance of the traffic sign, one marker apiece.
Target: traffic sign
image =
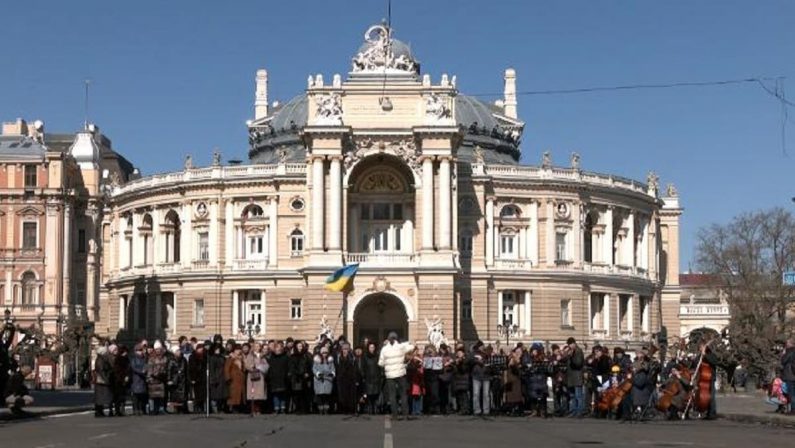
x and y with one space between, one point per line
789 278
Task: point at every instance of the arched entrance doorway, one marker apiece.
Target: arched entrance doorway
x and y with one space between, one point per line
378 314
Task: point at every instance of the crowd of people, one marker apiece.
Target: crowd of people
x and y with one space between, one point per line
399 378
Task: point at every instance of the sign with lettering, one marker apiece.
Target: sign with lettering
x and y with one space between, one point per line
789 278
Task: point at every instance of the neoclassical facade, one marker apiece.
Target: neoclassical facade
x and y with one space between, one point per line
421 186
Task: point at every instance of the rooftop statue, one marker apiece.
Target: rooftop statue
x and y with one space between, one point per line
381 53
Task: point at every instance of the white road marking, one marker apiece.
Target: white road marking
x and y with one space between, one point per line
667 443
388 422
102 436
68 414
387 440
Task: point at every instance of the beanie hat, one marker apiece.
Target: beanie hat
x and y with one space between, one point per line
158 345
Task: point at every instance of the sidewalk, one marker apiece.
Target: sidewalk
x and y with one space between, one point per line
54 402
750 407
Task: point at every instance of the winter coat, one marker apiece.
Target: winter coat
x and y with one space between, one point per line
138 374
121 376
537 372
156 376
323 373
277 374
479 370
642 385
788 365
575 364
347 376
218 389
512 388
416 374
103 380
393 359
197 377
235 378
177 379
299 372
461 376
256 369
372 374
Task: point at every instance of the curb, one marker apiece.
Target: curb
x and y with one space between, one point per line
773 420
9 417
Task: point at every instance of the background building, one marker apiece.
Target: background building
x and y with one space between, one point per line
703 304
419 184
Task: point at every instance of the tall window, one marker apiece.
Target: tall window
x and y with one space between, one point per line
198 312
204 246
598 312
644 313
565 313
296 243
256 246
508 305
29 235
29 296
31 177
80 294
508 244
587 250
560 247
381 227
624 313
81 241
148 242
466 308
296 312
173 234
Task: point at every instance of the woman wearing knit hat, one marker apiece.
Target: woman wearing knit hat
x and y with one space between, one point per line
156 376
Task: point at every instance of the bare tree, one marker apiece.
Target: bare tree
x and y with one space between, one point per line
748 257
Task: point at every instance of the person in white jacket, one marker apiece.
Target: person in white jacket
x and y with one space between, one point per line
393 360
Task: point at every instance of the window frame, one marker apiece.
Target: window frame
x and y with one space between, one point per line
198 311
565 319
296 309
35 236
31 172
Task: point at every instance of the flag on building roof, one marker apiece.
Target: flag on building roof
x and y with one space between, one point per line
340 279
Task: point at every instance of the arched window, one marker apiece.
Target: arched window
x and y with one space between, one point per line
588 254
296 243
465 243
173 234
128 235
29 295
147 238
253 211
510 211
509 244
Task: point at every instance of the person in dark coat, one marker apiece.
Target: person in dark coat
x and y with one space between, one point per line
156 377
373 377
16 394
575 360
6 337
178 380
538 370
461 382
138 381
788 372
121 374
642 384
277 378
299 371
197 376
103 382
347 381
235 375
218 390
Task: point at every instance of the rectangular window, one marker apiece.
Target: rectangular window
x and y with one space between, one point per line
598 317
560 247
253 312
31 176
204 246
198 312
507 243
381 212
295 309
465 244
256 246
80 294
140 312
508 305
398 238
644 313
565 313
29 235
466 308
365 211
623 313
297 244
397 211
81 241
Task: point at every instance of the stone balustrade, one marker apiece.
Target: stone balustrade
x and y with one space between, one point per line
704 310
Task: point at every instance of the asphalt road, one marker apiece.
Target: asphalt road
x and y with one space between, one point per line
377 432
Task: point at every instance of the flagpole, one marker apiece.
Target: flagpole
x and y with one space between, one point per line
345 313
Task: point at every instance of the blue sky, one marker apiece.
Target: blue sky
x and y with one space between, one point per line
176 77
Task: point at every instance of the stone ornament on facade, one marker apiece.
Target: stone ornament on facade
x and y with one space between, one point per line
325 330
436 108
378 55
575 161
216 157
405 149
435 331
381 182
546 160
671 192
562 210
329 109
188 162
477 153
201 210
653 181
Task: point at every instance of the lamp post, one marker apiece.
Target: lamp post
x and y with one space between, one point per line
250 328
508 331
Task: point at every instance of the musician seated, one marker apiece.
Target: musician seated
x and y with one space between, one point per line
680 398
612 381
17 395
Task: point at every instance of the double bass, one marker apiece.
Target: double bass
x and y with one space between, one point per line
672 388
702 392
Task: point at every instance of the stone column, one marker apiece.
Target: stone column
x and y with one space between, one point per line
490 232
444 204
213 233
273 234
159 311
499 307
644 247
630 257
527 313
577 236
335 204
606 313
229 233
235 312
263 314
532 240
608 240
186 245
318 187
67 253
158 248
522 243
427 204
550 231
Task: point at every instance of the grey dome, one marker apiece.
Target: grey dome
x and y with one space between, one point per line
476 118
399 48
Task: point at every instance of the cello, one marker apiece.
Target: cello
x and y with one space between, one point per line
702 392
672 388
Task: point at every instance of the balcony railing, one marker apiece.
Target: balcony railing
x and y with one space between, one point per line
386 260
200 264
250 265
599 333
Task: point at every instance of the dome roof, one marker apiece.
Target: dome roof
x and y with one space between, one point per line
399 48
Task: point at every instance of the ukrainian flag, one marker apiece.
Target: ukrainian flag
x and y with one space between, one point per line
341 278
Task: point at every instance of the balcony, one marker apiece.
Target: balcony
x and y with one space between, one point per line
169 268
250 265
200 265
512 265
380 260
599 333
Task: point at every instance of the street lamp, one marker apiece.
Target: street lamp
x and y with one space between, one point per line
250 328
508 331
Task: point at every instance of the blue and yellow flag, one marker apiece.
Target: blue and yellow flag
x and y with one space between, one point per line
341 278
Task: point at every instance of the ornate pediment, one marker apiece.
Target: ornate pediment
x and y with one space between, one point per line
405 149
381 182
30 211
